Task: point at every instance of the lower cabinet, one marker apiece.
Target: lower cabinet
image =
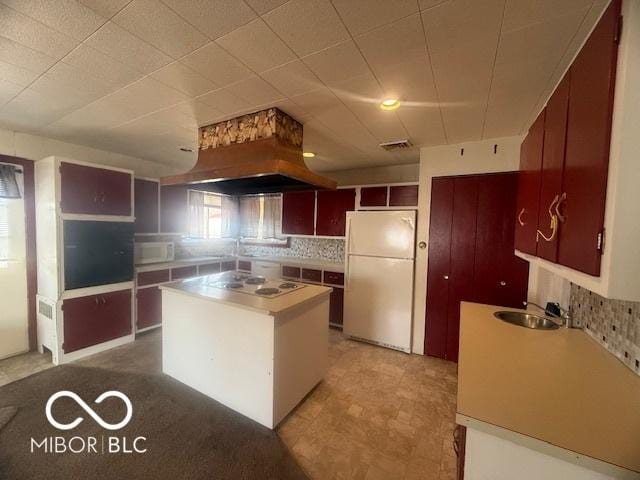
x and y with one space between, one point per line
336 306
96 319
148 307
228 265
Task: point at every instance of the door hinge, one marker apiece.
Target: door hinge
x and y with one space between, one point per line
600 243
618 35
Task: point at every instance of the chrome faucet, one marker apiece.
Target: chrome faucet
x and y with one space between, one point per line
565 315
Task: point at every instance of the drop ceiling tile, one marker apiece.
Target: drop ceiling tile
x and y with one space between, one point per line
8 90
23 57
307 25
317 102
256 46
337 63
16 75
224 101
116 42
67 16
106 8
292 78
361 16
520 13
30 33
31 110
182 78
160 26
199 112
410 81
214 18
255 91
293 109
98 64
424 124
214 63
394 43
95 117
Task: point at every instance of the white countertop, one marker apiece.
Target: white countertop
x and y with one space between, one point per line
185 262
557 386
199 287
316 263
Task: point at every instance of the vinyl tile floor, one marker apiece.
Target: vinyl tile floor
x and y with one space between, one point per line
379 414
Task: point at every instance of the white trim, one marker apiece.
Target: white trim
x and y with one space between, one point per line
148 179
97 290
97 218
101 347
146 329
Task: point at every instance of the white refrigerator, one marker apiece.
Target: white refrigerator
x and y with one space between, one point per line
380 254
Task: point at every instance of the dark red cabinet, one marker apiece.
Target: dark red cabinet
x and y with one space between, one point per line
471 254
209 268
184 272
555 131
373 196
146 206
244 265
228 265
528 198
298 212
96 319
174 207
311 274
148 307
334 278
336 306
403 196
333 206
94 191
154 276
291 272
587 151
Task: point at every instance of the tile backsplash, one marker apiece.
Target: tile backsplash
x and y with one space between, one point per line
329 249
615 324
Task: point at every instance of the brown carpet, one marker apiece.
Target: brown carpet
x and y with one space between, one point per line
6 414
189 436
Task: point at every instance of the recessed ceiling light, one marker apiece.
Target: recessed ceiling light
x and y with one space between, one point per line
308 154
389 104
186 149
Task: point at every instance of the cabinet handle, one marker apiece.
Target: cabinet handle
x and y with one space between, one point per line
522 224
95 197
96 300
561 217
553 225
103 301
102 197
503 283
456 441
446 277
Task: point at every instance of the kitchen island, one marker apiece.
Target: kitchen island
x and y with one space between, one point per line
256 345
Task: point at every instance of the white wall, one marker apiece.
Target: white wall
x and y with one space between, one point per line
34 147
446 160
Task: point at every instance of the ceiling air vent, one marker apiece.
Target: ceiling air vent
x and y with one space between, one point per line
396 145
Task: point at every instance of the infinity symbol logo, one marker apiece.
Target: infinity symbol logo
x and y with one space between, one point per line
89 410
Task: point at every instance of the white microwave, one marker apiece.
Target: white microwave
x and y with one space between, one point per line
154 252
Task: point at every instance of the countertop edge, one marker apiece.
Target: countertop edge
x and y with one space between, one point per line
547 448
272 313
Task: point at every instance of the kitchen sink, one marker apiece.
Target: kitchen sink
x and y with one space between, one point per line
527 320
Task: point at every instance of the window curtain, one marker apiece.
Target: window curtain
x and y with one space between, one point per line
196 214
8 183
272 220
250 216
229 217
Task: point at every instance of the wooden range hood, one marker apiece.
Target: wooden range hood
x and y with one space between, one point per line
257 153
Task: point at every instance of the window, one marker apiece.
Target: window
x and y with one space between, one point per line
261 219
211 215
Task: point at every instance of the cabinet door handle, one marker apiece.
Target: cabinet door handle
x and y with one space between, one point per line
522 223
103 300
553 225
562 198
102 197
503 283
446 277
96 300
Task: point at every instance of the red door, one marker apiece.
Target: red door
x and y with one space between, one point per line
555 132
298 212
146 206
463 240
587 150
149 307
438 267
95 319
94 191
529 187
500 278
333 206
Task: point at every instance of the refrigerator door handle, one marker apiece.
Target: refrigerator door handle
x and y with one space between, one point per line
346 253
409 221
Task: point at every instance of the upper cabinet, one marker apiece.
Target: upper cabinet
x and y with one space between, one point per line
298 212
89 190
403 196
587 228
333 206
146 206
528 198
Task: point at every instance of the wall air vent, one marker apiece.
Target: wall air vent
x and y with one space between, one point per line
396 145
